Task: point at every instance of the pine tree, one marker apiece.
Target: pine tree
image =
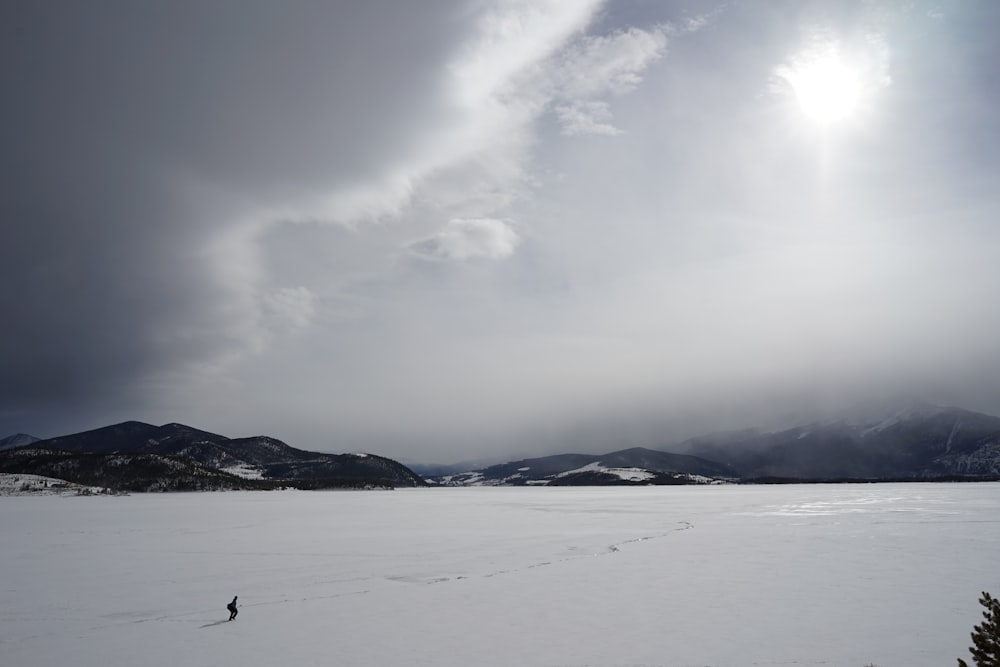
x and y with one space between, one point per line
985 647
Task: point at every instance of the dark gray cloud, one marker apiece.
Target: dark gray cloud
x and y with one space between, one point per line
452 230
128 131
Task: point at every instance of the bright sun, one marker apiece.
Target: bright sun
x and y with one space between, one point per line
827 89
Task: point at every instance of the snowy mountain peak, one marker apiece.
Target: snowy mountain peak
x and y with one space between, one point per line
17 440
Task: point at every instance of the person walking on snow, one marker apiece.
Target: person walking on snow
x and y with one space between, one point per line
232 608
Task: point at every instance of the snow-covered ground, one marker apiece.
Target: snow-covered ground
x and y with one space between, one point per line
245 471
20 484
840 575
629 474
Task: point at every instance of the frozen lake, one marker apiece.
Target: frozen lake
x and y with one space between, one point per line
556 577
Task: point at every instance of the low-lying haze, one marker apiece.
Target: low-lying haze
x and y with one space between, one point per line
464 230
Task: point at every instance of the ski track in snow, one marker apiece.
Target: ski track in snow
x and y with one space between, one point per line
610 549
263 603
186 616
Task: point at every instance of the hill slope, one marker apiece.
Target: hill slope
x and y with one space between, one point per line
131 455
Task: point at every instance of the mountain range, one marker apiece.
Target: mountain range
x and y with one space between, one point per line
912 442
628 466
134 456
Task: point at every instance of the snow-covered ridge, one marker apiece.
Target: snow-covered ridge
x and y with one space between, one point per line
244 470
627 474
17 440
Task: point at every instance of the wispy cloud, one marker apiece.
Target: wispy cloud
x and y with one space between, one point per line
609 64
470 239
589 117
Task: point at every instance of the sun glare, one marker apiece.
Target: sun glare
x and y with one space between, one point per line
827 89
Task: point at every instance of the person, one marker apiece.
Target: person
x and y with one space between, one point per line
232 608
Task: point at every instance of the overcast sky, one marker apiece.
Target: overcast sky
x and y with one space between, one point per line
459 230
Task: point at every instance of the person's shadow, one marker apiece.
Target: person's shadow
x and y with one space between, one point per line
208 625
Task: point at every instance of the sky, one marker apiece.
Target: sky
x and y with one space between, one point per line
474 229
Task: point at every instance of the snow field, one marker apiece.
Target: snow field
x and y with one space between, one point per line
21 484
449 577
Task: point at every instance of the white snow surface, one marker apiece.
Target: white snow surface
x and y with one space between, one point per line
629 474
20 484
456 577
244 470
465 479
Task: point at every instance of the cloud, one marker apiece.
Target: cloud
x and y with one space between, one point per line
485 117
512 37
600 66
523 59
462 240
187 229
611 64
162 187
289 308
582 118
